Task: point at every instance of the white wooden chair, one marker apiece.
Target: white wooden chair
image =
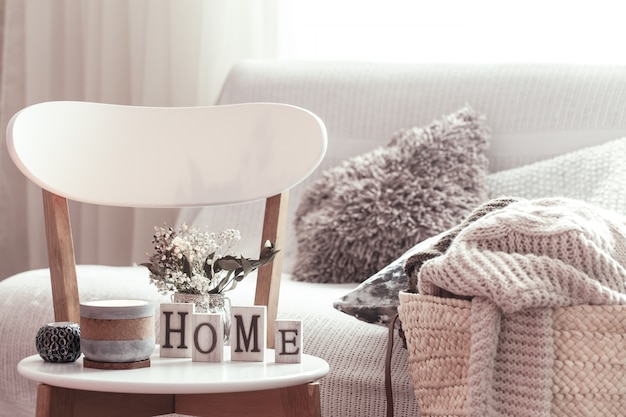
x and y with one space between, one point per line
134 156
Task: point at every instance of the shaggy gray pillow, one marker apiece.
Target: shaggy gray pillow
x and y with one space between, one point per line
358 216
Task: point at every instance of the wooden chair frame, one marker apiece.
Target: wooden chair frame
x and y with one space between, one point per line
301 400
53 401
63 265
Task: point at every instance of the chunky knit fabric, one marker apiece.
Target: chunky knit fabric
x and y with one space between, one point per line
415 262
516 264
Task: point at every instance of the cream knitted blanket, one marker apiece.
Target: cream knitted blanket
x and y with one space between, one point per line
517 264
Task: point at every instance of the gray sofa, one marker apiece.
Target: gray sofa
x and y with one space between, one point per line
535 111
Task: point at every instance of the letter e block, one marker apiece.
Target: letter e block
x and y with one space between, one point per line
288 341
247 342
208 338
175 331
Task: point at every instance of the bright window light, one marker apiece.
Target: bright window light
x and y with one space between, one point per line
455 30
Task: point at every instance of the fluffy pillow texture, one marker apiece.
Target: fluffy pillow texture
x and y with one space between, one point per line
594 174
358 216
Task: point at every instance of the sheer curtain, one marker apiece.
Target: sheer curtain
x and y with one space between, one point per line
142 52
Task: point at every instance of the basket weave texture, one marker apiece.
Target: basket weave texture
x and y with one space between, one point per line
589 356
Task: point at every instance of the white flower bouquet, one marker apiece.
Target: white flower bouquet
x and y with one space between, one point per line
194 262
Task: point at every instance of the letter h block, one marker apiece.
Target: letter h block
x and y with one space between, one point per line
247 341
175 332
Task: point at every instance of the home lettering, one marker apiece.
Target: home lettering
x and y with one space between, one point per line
208 337
288 341
200 336
248 342
175 333
293 341
213 338
252 334
169 330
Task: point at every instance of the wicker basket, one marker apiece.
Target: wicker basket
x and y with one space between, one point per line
589 372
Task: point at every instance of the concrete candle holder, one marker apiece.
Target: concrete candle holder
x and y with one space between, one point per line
117 334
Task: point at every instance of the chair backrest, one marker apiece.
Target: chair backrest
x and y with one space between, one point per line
135 156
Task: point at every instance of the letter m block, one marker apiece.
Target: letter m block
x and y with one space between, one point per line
247 335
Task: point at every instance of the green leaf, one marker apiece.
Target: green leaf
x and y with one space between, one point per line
267 252
208 269
225 281
246 266
186 266
154 269
215 267
233 285
228 263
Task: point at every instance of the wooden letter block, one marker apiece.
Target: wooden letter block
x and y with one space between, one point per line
175 331
208 338
247 342
288 341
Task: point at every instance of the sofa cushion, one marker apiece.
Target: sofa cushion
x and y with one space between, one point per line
595 174
376 299
357 216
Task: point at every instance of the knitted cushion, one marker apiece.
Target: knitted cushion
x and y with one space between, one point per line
595 174
592 174
358 216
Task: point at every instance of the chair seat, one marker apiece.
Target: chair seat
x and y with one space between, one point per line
178 375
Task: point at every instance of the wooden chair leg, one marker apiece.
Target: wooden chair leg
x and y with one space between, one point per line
268 276
297 401
54 401
61 258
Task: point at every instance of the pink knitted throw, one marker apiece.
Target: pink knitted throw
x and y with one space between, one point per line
517 264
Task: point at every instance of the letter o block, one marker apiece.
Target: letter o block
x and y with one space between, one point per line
208 338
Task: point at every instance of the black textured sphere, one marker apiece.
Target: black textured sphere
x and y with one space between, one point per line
58 342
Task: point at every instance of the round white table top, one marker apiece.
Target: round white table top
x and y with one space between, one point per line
178 375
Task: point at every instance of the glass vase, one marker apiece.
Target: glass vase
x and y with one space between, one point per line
208 303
